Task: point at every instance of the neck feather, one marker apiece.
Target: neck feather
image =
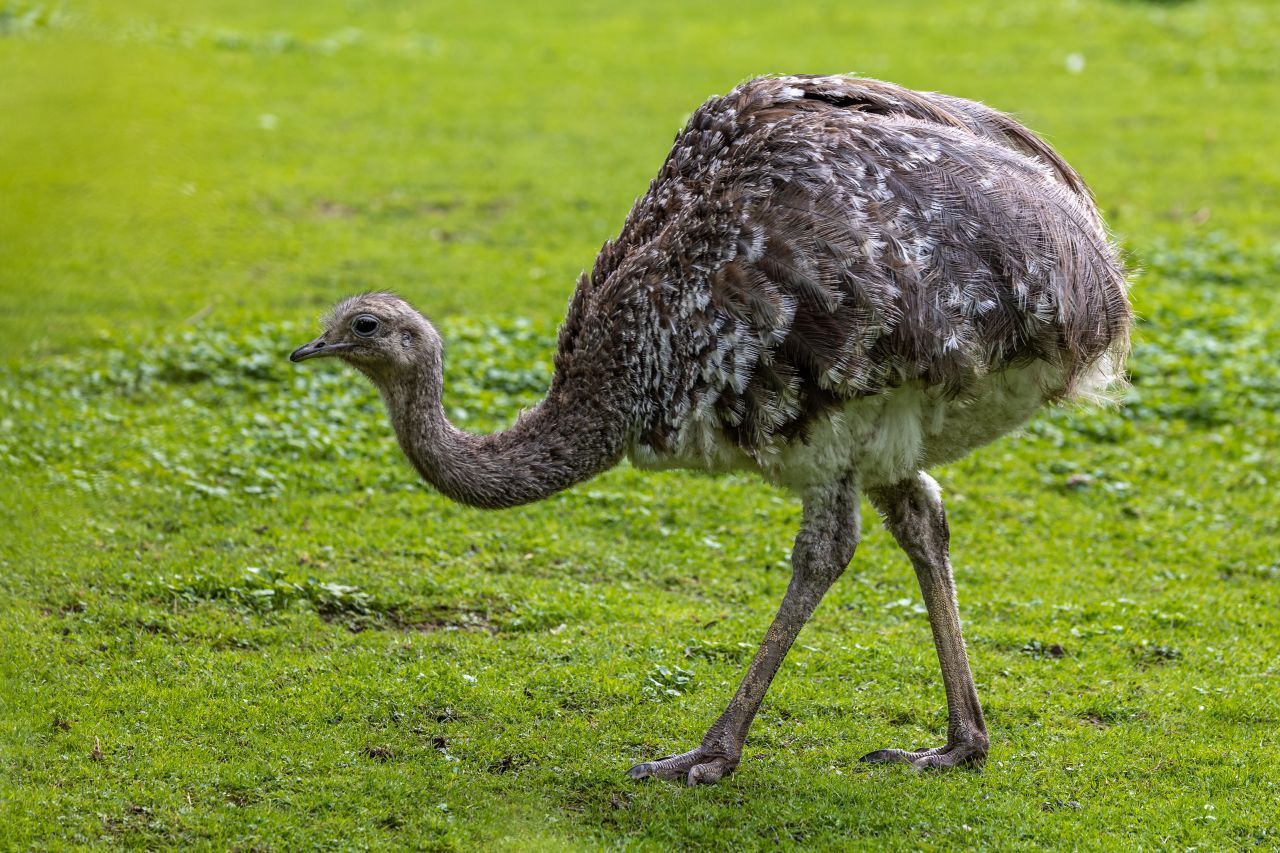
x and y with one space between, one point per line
560 442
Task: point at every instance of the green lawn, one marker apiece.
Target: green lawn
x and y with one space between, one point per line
231 618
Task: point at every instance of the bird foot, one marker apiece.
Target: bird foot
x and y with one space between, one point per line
702 765
963 754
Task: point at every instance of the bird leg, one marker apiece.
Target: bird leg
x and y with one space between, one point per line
823 548
914 514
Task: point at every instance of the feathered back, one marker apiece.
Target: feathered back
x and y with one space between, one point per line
810 240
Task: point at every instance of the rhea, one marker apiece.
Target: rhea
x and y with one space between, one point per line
835 282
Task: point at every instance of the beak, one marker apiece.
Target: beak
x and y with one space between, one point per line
318 347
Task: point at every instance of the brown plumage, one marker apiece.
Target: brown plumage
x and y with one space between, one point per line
850 236
835 282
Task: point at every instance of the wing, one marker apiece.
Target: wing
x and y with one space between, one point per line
887 251
812 240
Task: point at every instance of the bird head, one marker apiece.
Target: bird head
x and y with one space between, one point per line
379 333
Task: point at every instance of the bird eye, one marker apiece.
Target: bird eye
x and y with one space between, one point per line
365 325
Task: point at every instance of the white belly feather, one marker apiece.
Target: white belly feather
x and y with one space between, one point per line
884 438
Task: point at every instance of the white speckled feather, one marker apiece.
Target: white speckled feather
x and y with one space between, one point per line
832 273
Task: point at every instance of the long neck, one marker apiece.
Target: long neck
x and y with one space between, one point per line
556 444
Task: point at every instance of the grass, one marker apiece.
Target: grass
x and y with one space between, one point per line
232 618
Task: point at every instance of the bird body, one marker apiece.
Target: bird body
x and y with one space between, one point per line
829 267
837 283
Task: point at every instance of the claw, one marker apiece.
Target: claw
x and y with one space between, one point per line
641 771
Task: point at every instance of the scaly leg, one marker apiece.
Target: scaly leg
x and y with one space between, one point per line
823 548
914 514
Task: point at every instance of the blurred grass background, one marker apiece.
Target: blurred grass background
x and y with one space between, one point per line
260 160
231 620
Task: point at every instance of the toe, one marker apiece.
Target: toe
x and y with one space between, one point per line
641 771
664 769
938 757
667 769
700 766
953 756
933 762
707 774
